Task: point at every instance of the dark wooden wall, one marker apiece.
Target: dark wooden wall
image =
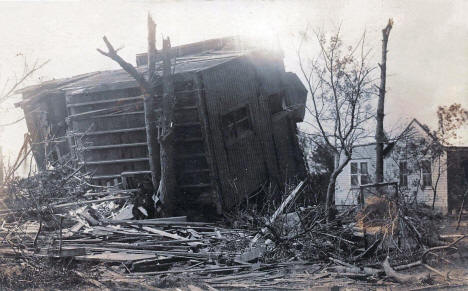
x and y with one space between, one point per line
269 152
241 166
108 130
45 120
456 181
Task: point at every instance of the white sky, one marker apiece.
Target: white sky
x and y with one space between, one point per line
427 66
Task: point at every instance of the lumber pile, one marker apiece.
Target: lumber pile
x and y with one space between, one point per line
92 231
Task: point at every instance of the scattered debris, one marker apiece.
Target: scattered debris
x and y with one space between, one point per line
289 246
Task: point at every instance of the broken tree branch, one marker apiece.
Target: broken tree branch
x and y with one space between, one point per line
402 278
146 86
280 209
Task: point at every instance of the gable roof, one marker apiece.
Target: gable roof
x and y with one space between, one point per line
424 127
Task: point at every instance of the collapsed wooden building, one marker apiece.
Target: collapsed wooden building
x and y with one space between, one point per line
235 123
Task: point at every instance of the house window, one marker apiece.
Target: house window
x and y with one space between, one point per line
236 123
359 174
275 102
426 172
403 165
354 174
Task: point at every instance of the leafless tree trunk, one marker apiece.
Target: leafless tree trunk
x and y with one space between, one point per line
167 186
379 132
149 108
340 87
160 147
1 166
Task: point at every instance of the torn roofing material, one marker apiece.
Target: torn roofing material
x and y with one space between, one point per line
119 79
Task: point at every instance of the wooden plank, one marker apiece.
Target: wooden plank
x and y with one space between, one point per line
115 257
123 130
103 162
113 192
157 222
234 278
208 141
105 177
84 116
64 253
65 205
132 173
113 146
201 270
280 209
163 233
137 98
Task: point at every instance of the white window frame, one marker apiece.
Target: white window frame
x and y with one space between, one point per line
360 174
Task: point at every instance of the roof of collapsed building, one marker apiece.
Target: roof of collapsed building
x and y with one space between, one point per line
192 57
119 79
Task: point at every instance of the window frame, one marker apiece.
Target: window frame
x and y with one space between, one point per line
403 174
426 176
362 177
279 105
231 124
354 175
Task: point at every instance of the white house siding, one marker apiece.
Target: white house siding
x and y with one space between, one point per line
346 195
426 196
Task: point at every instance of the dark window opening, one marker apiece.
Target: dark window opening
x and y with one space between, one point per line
354 174
275 102
403 165
236 123
364 174
426 172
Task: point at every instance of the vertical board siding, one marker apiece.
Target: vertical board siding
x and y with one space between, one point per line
45 120
240 164
457 185
287 151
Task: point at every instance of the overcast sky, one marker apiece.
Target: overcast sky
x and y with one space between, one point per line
427 66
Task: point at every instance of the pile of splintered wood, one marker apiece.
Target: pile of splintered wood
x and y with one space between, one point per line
96 228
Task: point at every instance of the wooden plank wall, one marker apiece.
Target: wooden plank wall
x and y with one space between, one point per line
241 165
109 132
457 185
45 120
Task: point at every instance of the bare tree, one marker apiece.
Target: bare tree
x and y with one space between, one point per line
14 83
379 132
166 139
340 85
155 141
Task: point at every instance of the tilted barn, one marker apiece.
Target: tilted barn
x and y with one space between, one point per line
235 122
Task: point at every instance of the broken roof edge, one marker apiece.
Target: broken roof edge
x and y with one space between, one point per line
66 85
234 43
54 82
